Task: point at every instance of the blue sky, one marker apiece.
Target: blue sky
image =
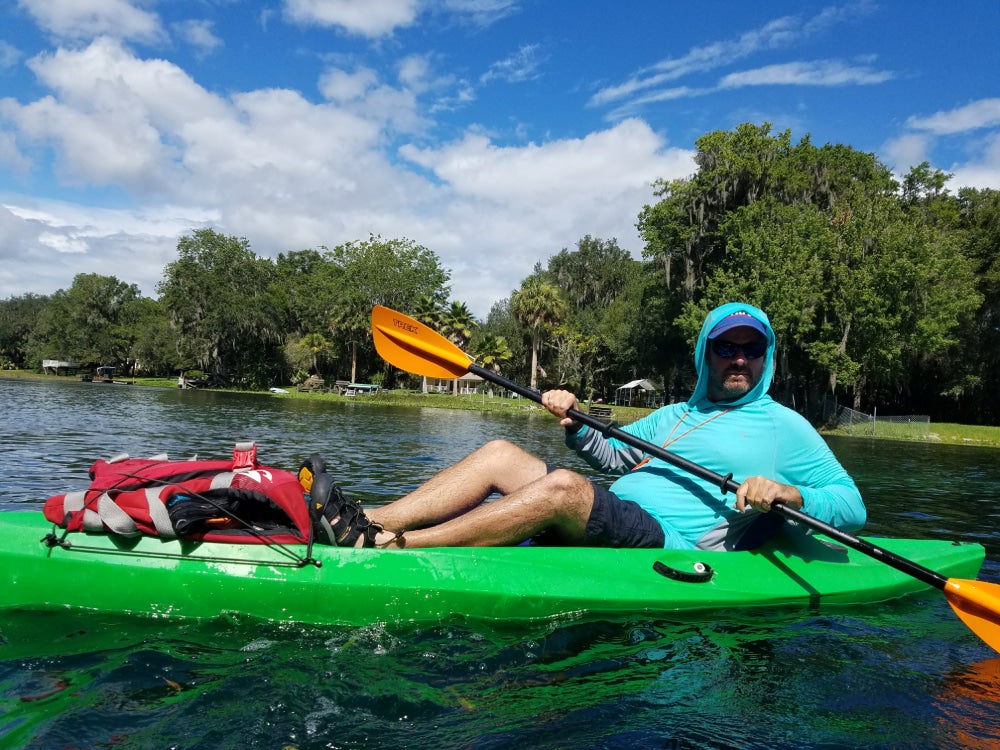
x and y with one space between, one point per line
493 132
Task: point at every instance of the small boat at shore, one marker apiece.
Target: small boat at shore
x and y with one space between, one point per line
45 568
104 374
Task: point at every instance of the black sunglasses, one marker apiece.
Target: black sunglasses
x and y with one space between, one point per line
727 349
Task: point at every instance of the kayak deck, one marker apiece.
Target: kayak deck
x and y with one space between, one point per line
149 576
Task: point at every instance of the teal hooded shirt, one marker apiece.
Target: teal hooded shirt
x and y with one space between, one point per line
751 435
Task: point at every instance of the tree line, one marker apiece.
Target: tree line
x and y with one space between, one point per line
882 292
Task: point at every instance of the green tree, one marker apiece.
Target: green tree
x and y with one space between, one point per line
820 238
492 351
154 342
777 259
89 322
18 317
539 306
395 273
221 300
458 323
978 357
592 278
925 195
317 345
594 274
429 309
861 299
308 283
501 323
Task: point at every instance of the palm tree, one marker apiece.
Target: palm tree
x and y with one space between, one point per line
538 306
491 351
427 310
351 323
457 323
315 343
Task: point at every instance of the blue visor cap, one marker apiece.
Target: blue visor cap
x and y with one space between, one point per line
737 320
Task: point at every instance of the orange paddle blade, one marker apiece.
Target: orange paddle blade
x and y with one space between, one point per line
410 345
977 603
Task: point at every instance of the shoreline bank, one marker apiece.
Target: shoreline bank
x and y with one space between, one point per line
938 433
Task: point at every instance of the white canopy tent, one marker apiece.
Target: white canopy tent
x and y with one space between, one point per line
634 391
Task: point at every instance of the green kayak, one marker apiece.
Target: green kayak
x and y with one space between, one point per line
151 577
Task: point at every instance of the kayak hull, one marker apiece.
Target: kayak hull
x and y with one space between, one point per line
157 578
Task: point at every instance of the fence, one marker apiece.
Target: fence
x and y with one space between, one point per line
858 423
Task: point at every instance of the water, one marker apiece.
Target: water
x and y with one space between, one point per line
904 674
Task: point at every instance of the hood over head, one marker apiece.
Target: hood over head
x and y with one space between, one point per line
745 315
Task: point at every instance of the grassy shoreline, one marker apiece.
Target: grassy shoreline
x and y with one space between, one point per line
939 432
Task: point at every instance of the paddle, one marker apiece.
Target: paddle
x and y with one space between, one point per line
410 345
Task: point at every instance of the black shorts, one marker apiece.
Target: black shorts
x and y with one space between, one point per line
615 522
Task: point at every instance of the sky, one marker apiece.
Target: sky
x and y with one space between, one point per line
495 133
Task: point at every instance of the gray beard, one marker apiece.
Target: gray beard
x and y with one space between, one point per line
724 392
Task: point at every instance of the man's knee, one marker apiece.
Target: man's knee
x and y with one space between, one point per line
505 454
498 445
564 479
567 488
507 466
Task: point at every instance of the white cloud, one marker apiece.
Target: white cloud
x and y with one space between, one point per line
600 164
106 73
62 243
959 128
700 59
504 208
362 17
521 66
112 119
983 173
87 19
814 73
362 94
9 55
906 151
984 113
10 156
479 12
44 245
380 18
415 72
198 34
340 86
776 34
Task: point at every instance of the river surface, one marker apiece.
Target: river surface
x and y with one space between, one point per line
904 674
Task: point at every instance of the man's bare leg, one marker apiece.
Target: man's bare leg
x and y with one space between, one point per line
562 500
498 466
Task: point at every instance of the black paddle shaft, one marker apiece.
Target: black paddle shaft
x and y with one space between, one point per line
726 484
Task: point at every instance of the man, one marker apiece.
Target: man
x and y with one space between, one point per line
729 424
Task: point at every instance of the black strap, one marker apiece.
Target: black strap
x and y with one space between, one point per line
702 573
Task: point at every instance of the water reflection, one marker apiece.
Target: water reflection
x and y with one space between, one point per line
969 702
